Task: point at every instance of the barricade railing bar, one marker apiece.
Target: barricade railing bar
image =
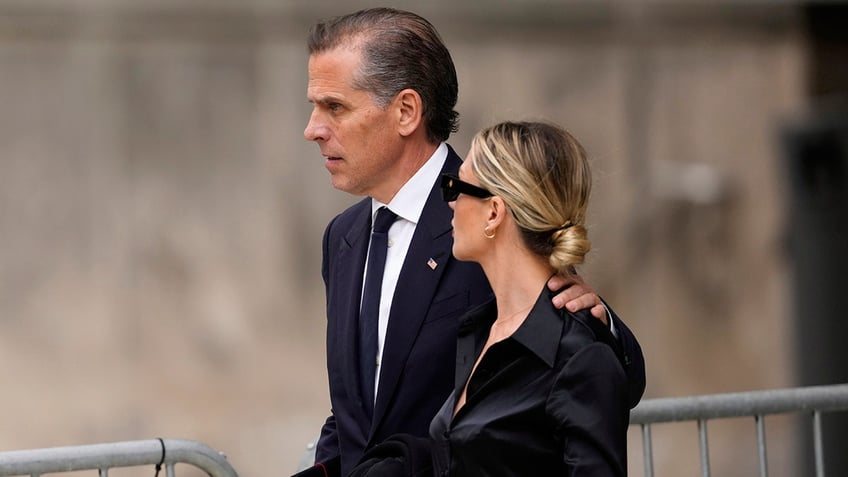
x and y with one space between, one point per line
103 457
811 399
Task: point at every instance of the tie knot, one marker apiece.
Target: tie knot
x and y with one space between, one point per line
385 219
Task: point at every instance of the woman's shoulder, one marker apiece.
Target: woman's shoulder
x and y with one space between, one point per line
582 329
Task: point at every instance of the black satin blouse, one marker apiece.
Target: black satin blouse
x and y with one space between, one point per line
551 400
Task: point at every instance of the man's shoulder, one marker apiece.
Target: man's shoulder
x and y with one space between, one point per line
453 161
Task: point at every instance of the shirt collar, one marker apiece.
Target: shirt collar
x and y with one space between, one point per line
410 199
540 333
542 330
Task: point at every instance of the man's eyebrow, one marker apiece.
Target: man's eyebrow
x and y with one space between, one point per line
326 100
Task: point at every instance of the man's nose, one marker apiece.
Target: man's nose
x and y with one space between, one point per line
315 130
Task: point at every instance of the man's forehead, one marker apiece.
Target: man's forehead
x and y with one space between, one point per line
339 62
327 74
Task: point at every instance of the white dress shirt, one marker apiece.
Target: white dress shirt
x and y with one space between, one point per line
407 204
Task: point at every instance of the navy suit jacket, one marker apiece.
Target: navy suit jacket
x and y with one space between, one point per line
419 356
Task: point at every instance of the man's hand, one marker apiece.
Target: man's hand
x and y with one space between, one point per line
578 296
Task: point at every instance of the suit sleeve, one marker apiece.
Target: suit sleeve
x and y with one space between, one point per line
327 447
589 412
633 360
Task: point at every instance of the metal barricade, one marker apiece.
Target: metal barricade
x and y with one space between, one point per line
813 399
102 457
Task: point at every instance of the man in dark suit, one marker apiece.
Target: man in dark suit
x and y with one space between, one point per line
383 88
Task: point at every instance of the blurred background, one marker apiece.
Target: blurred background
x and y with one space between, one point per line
161 214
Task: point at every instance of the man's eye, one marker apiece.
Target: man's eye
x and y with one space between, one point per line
335 107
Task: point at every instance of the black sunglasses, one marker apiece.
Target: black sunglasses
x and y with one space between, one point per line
452 186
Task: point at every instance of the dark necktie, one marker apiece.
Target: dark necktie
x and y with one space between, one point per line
370 310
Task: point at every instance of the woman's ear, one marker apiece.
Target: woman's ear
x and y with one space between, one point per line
497 212
410 111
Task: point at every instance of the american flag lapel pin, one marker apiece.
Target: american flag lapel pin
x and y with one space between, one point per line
432 264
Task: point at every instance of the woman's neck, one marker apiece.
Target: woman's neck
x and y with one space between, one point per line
517 277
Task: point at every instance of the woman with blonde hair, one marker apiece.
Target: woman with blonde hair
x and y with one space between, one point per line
539 391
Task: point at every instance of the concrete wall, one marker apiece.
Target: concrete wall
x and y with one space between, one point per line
161 214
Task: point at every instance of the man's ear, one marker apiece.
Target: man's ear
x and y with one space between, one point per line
410 111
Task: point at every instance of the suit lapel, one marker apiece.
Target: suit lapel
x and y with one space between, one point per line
416 287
